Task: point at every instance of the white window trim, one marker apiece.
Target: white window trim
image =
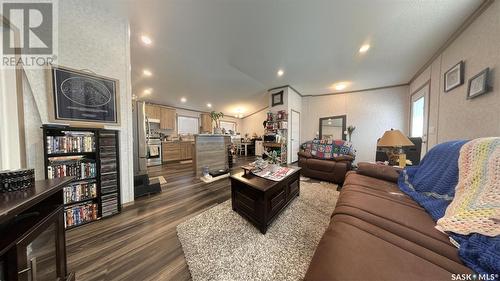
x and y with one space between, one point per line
235 125
187 116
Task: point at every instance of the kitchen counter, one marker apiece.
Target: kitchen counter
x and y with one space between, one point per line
176 141
210 151
177 150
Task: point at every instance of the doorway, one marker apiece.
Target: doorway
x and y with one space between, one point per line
295 136
419 115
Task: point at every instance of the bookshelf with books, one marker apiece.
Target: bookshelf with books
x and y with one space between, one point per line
277 126
91 155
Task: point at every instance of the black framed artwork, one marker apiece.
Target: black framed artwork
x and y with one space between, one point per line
79 97
277 98
478 84
454 77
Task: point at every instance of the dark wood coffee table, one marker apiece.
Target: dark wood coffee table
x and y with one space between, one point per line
261 200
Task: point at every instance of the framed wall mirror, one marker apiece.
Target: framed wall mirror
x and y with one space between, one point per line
333 127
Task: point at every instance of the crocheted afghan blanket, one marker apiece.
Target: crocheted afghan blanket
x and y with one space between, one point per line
476 206
328 149
432 184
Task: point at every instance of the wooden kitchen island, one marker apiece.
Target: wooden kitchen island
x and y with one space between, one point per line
210 151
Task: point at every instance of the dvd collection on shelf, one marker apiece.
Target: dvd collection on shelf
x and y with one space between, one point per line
79 191
94 160
109 173
67 166
71 142
80 214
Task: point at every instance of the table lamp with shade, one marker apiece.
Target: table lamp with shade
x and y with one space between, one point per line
395 139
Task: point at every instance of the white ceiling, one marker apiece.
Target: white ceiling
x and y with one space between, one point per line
227 52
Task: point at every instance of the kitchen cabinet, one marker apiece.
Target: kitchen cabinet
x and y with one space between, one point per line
186 150
167 118
177 150
171 151
153 111
206 123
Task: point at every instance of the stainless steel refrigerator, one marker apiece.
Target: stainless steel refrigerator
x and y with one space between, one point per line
140 137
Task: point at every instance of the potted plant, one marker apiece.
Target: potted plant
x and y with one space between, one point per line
350 130
216 116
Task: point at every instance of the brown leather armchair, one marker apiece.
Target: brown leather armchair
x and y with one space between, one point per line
333 170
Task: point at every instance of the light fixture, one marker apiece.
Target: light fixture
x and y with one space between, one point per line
147 72
280 72
239 110
209 105
183 99
340 86
146 40
240 116
395 139
147 91
364 48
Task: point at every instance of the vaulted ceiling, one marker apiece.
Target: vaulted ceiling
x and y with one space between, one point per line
227 52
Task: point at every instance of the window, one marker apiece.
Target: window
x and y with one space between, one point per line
187 125
228 126
417 117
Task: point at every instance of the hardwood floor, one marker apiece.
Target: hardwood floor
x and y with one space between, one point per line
141 243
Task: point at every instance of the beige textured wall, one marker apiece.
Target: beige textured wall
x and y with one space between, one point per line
372 112
93 36
253 123
451 115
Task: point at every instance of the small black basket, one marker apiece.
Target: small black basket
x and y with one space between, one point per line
16 180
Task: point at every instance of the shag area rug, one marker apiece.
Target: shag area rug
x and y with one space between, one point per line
219 244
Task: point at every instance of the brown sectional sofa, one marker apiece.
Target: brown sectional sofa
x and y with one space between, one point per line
377 232
329 170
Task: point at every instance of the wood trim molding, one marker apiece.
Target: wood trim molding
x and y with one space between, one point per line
454 36
361 90
19 71
267 107
284 86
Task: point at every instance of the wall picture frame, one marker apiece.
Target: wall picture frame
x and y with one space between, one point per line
277 98
454 77
479 84
80 98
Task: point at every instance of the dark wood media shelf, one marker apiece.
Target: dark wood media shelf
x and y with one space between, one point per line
96 167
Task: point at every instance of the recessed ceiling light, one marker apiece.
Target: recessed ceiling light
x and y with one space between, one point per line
340 86
146 40
183 99
148 91
364 48
281 72
209 105
147 72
